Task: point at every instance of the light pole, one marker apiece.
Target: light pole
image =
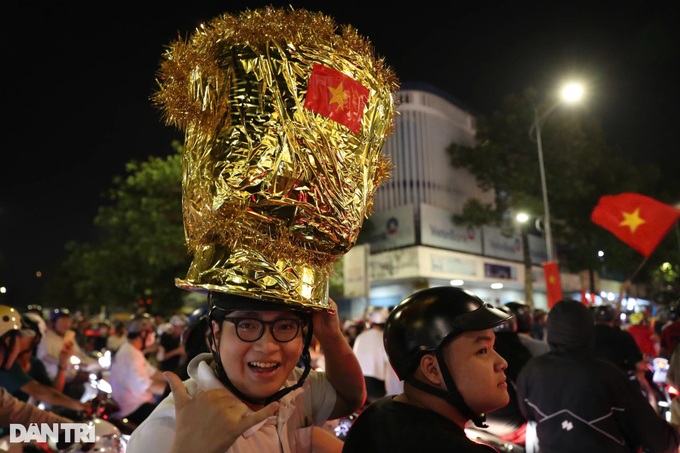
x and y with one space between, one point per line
522 218
570 93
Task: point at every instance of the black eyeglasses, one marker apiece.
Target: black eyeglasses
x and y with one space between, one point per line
250 329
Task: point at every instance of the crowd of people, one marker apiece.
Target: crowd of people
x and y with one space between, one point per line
585 364
267 361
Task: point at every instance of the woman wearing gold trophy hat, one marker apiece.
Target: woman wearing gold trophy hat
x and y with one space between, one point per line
285 114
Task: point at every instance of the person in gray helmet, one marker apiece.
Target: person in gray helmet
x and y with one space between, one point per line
524 317
135 383
582 403
440 342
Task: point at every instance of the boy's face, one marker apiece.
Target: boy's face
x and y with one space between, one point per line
259 368
478 370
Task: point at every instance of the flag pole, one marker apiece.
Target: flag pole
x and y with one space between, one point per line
632 276
626 285
677 234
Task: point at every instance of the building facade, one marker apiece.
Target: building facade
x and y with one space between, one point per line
414 243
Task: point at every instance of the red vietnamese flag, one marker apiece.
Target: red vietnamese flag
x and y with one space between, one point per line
638 220
553 287
336 96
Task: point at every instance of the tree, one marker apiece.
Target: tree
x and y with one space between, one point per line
579 165
139 249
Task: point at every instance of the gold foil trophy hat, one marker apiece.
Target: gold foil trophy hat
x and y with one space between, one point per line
285 115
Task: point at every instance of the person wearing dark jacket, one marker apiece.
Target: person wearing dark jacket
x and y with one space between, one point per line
614 344
584 404
439 341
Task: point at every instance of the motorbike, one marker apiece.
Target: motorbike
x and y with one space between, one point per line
98 393
108 438
665 392
112 434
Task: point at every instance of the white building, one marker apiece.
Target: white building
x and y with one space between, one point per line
414 243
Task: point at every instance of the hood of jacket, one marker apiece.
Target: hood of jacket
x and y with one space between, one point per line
570 327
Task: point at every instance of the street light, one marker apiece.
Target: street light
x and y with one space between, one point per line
570 93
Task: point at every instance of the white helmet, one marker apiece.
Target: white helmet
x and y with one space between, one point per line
178 320
378 315
36 318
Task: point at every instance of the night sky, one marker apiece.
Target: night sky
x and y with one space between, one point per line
78 81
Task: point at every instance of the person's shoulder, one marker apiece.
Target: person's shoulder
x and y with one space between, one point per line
48 339
36 362
610 370
126 352
402 427
388 406
370 336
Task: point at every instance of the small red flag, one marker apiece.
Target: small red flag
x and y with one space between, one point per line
638 220
553 287
336 96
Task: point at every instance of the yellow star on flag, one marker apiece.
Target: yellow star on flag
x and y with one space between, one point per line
339 96
632 220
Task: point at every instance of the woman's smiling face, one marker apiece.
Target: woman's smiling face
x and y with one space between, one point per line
259 368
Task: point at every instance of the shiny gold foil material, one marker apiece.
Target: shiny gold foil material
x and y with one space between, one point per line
273 192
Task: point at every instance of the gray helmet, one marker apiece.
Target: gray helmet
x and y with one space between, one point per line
425 319
523 315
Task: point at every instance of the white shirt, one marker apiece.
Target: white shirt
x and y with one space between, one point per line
393 386
289 431
48 352
130 379
370 352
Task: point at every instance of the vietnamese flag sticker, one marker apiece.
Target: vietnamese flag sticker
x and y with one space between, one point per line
336 96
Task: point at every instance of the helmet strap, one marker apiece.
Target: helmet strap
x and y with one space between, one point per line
451 395
454 397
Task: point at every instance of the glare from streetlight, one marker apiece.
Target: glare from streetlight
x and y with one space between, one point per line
572 92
